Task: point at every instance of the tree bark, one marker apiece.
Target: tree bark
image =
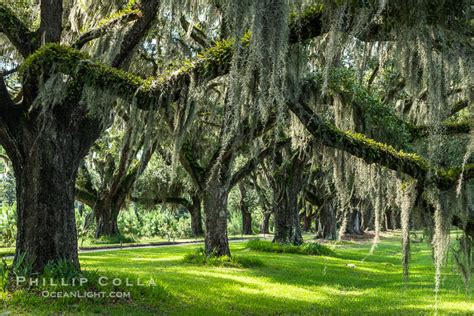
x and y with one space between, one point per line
215 208
246 215
196 220
286 188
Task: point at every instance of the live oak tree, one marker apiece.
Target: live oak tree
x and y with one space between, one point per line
46 140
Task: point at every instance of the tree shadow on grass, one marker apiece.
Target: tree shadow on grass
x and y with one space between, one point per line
286 284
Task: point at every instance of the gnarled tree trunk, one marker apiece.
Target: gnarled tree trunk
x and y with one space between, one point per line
286 189
215 208
307 219
112 200
106 214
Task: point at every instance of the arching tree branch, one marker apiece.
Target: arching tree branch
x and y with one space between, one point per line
103 29
86 197
18 34
136 33
373 152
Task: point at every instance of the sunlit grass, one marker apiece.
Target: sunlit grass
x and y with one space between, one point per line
285 284
6 251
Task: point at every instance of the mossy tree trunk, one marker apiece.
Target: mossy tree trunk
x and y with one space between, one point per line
215 208
392 219
108 200
46 151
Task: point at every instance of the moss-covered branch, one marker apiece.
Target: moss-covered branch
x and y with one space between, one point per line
209 64
104 28
374 152
449 128
14 29
253 163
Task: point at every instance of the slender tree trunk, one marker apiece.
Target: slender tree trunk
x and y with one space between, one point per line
265 227
307 220
46 158
246 215
215 208
196 220
326 222
287 187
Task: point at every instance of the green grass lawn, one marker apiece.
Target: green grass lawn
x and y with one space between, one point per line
286 284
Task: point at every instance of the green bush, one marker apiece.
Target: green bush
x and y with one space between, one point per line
313 249
117 239
7 225
199 257
167 225
134 225
61 270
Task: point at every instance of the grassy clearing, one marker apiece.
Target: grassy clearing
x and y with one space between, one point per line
350 283
313 249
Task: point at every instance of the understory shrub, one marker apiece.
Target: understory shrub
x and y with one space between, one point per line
134 225
313 249
199 257
3 275
158 223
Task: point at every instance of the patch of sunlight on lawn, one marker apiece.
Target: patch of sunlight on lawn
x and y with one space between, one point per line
262 286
